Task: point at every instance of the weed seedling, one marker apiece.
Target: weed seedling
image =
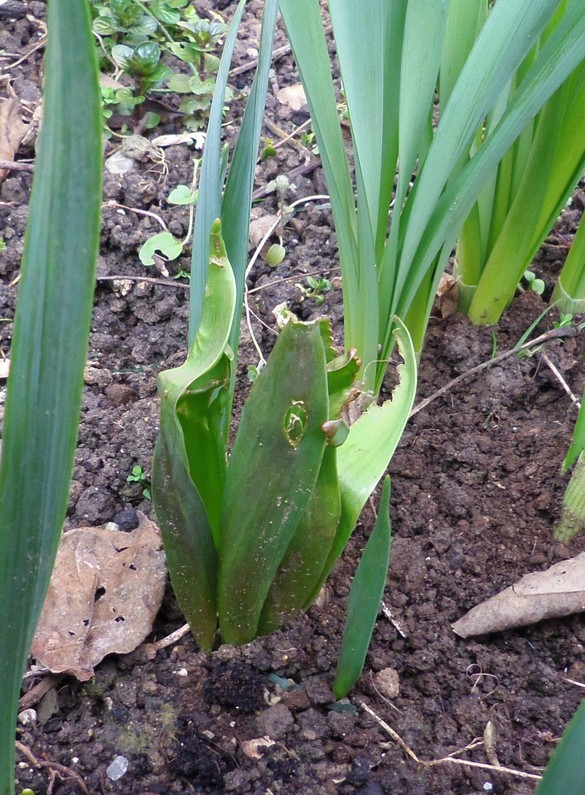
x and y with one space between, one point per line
138 475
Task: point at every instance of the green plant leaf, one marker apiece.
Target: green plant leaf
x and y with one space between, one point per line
49 345
365 596
564 772
188 470
577 446
163 243
371 443
272 473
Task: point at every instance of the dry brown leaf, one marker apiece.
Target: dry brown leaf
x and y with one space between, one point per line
293 96
105 592
260 227
554 593
447 295
12 131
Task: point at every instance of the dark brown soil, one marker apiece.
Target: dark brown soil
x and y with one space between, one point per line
476 494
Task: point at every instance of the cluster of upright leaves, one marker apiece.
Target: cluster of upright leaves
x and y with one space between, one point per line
523 197
135 34
390 60
249 543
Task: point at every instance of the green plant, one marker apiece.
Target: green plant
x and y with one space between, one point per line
138 475
564 772
134 36
569 292
243 560
520 202
573 515
316 289
49 346
390 60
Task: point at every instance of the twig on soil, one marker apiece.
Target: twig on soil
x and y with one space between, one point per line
247 67
38 46
114 205
451 758
34 695
147 279
557 374
152 648
54 767
554 333
290 137
573 682
299 171
13 165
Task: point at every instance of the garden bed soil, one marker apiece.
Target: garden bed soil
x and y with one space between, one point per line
476 494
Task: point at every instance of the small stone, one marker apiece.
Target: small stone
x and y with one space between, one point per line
387 682
117 768
97 376
119 394
27 716
318 689
275 721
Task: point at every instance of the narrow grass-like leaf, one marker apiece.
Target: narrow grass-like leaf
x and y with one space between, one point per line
188 470
573 515
272 473
564 772
237 199
555 61
554 165
210 180
365 596
49 346
569 293
578 441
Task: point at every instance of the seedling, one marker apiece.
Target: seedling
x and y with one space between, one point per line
533 283
316 289
138 475
134 35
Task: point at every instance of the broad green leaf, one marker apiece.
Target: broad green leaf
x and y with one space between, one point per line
164 243
365 596
188 471
272 472
372 441
308 550
564 772
49 345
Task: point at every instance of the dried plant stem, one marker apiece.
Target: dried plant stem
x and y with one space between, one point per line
451 758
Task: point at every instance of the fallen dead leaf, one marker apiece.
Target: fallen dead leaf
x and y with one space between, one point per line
12 131
260 227
4 368
554 593
447 295
105 591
